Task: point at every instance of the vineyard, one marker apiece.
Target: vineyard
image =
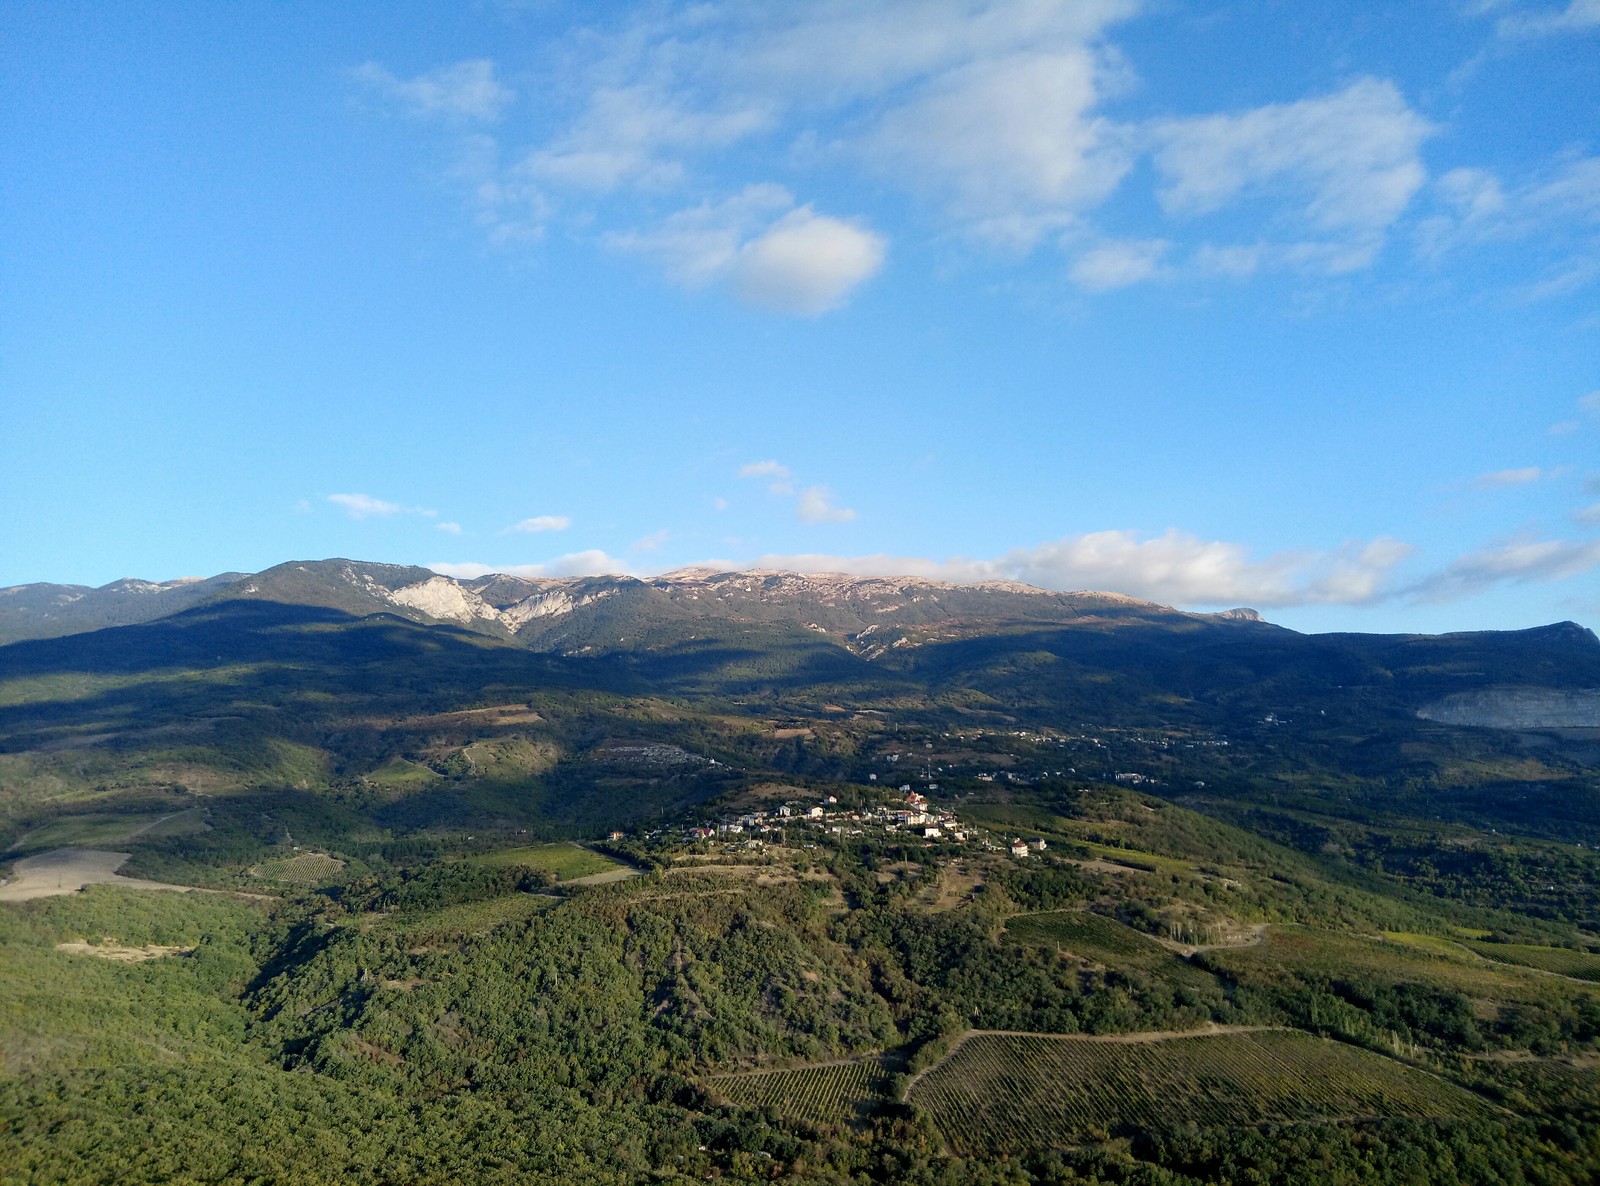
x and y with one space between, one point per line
471 918
1580 965
822 1095
1007 1093
1103 940
562 861
309 868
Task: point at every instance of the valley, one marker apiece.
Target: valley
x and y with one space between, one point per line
763 877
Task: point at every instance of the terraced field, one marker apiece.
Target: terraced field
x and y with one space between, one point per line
835 1094
1001 1093
1580 965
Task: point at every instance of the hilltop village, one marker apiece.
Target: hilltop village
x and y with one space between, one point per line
911 818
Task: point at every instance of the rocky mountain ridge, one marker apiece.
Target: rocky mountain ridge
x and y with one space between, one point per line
561 612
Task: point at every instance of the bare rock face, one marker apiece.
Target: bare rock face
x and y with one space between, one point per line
1518 708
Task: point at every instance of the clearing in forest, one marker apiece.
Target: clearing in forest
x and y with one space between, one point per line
308 868
1004 1093
1563 961
832 1093
1104 941
468 919
562 860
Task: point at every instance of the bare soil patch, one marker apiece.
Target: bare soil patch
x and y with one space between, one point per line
68 870
1252 936
122 955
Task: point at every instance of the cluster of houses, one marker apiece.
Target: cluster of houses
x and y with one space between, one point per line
911 815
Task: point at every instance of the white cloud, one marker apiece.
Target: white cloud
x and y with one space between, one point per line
1590 403
1332 174
450 528
1010 143
463 90
541 523
1352 156
650 542
1174 569
506 202
993 114
1588 516
625 133
816 505
1520 561
1557 209
1577 16
1234 261
362 506
1118 264
782 478
575 564
770 253
1508 477
806 263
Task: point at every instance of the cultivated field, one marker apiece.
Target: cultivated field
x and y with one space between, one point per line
834 1094
1102 940
564 862
95 829
308 868
1000 1093
471 918
68 870
1580 965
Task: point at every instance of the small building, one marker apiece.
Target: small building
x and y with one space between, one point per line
932 832
613 835
1018 848
1038 844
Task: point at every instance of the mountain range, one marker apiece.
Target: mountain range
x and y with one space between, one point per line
567 613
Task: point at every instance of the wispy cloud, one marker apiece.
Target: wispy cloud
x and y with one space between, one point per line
463 90
1551 215
1349 163
813 504
1118 264
450 528
1502 478
1520 561
1578 16
816 505
541 523
364 506
782 478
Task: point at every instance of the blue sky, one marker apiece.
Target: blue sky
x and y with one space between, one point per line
1290 305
